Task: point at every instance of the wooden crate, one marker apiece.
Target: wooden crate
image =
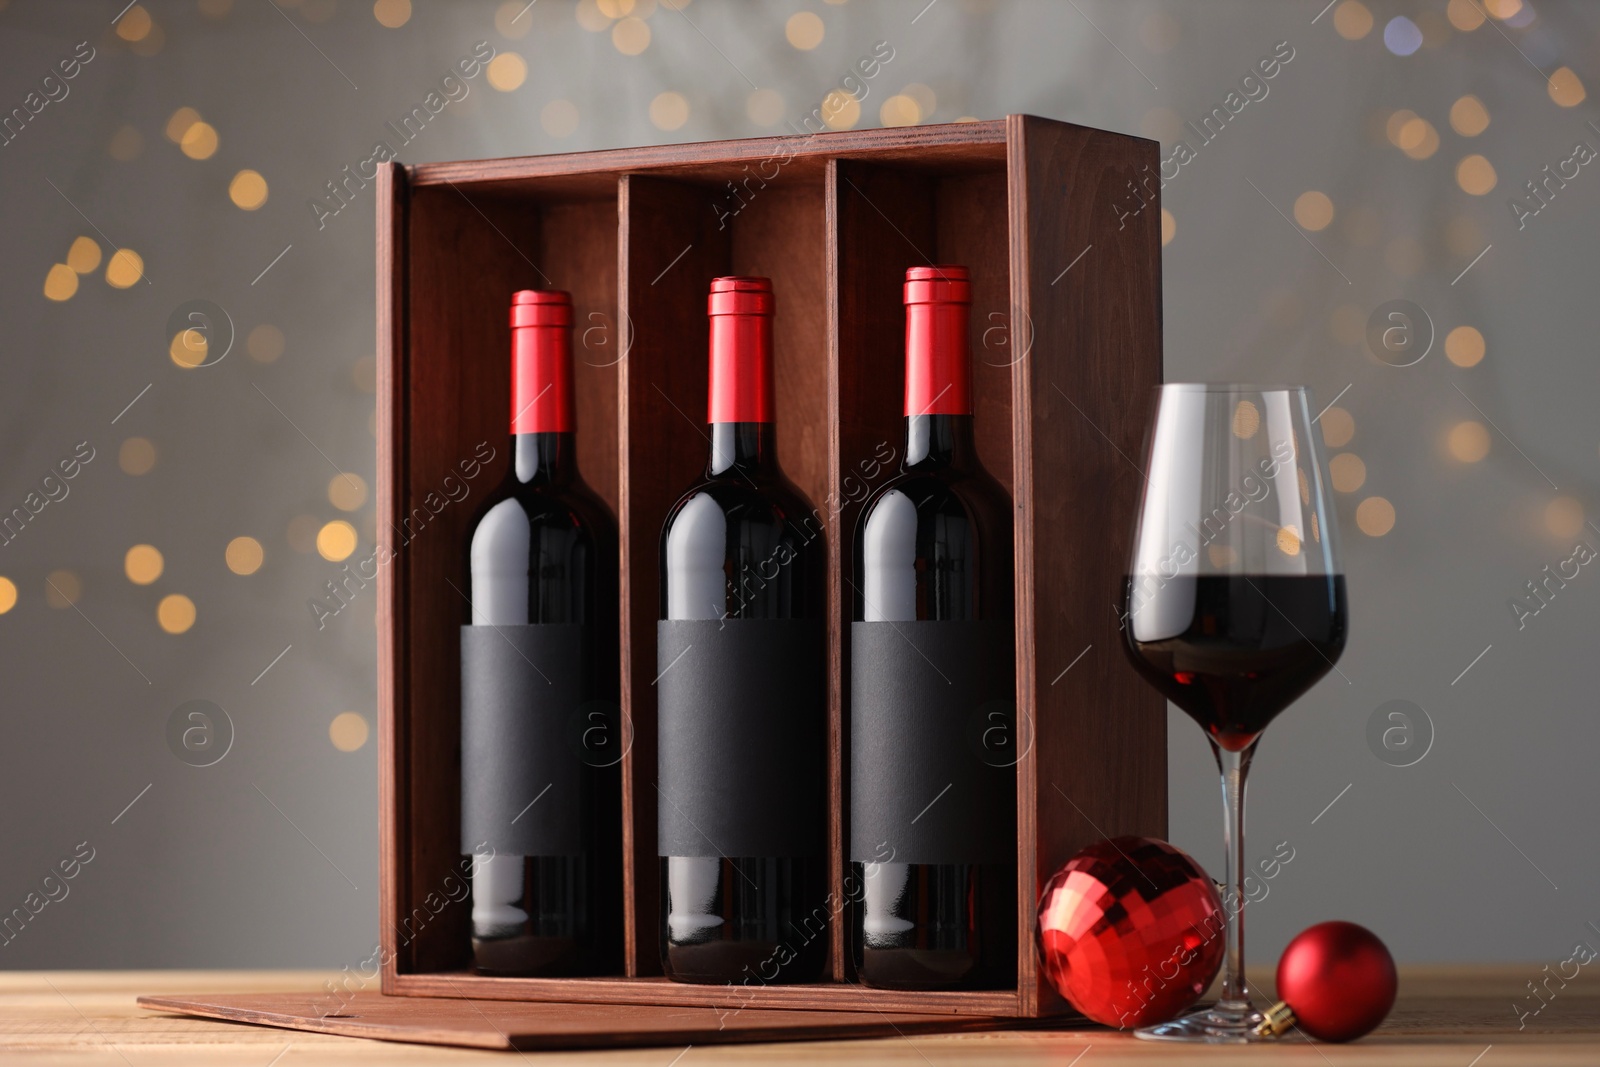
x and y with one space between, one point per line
1067 343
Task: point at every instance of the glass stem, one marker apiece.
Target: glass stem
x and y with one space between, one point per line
1235 767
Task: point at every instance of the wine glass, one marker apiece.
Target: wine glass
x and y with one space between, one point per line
1234 604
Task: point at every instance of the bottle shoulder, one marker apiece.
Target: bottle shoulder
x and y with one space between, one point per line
768 501
945 493
571 507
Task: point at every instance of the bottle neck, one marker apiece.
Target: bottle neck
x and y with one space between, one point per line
938 386
939 442
548 458
542 425
744 448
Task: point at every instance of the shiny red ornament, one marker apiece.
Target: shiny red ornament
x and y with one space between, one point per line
1131 931
1338 981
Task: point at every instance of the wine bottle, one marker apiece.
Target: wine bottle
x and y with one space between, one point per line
540 796
742 705
932 738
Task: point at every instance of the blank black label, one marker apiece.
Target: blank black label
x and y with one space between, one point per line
521 771
742 738
933 742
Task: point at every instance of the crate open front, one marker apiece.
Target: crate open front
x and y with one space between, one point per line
1063 358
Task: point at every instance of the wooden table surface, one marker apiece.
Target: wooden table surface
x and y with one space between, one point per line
1450 1017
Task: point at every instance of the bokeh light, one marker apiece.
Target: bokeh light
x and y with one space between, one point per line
248 190
60 282
1464 346
1313 210
62 588
631 36
899 110
1563 516
143 564
244 555
1347 471
1464 15
199 141
1352 20
507 71
124 268
1338 427
1565 88
136 456
126 144
8 595
135 24
1468 116
84 255
1475 175
669 110
392 13
1375 516
348 731
175 613
336 540
347 492
188 348
264 343
1401 36
840 110
1468 441
1169 227
804 30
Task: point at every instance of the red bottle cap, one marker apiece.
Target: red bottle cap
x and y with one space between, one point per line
741 350
541 361
938 362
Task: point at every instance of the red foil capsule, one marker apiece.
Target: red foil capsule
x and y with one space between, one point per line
541 361
938 360
741 350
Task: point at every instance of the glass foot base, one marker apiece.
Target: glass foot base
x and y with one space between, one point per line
1216 1025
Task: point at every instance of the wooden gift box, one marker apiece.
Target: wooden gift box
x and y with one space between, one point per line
1066 342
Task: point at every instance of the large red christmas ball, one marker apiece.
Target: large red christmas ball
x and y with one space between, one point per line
1338 979
1131 931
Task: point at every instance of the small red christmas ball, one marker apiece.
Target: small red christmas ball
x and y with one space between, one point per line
1338 979
1131 931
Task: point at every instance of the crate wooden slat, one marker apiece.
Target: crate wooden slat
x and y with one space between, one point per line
1064 360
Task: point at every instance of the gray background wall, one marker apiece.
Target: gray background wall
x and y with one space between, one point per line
1482 850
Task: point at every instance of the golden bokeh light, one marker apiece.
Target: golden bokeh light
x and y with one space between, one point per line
1288 540
124 268
1338 427
175 613
248 190
336 540
8 595
669 110
1397 121
559 118
135 24
392 13
60 282
630 36
179 123
302 533
1464 15
1246 419
188 347
84 255
840 110
1352 20
150 43
126 144
1468 116
1169 227
1464 346
136 456
62 589
1468 441
1502 9
507 71
143 564
899 110
1565 88
264 343
1347 471
591 17
927 102
764 107
1418 139
347 492
199 141
512 21
1313 210
615 9
1475 175
1563 516
804 30
1222 555
348 731
1375 516
244 555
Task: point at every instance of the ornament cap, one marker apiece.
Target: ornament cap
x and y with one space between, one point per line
1275 1020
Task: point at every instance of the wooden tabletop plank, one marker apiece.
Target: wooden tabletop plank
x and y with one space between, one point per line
1446 1017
